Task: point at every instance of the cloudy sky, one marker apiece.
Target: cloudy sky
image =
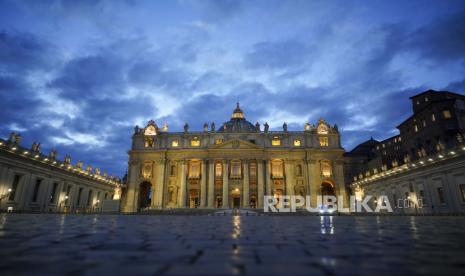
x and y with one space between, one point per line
79 75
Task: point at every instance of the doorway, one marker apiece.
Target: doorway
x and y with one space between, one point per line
236 202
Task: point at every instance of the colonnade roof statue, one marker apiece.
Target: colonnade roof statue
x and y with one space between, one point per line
238 124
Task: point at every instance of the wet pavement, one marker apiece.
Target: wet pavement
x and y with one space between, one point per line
239 245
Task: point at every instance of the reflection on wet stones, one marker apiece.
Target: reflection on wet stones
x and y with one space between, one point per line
169 245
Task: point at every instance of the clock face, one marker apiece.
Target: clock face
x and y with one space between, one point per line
150 130
322 129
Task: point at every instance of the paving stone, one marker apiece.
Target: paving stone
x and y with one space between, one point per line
50 244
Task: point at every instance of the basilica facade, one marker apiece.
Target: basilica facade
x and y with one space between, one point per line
232 166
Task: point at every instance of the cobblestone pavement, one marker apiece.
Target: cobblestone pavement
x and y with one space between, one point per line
211 245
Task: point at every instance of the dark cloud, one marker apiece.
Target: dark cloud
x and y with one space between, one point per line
279 55
441 40
22 52
91 76
152 73
457 86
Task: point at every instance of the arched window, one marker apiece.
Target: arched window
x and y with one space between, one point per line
195 142
149 142
327 188
276 141
277 168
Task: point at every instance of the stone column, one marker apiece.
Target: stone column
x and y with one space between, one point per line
290 182
159 181
225 185
203 185
313 181
268 178
24 188
260 183
245 188
340 188
133 188
211 183
182 193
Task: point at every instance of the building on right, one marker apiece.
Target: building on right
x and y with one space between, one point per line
422 169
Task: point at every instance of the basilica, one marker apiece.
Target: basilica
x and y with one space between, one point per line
232 166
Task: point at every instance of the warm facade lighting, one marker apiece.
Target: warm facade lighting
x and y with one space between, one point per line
276 141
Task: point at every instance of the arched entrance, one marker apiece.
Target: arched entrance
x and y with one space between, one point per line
194 198
236 198
327 189
145 195
253 202
278 194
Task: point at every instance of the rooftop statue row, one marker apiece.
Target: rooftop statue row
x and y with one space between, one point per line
13 144
237 123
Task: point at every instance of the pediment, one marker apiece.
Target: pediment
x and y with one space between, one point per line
236 144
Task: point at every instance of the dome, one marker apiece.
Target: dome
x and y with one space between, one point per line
238 123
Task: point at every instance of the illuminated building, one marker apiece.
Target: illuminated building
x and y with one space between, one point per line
232 166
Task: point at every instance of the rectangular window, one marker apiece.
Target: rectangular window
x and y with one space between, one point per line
35 195
253 170
54 192
433 117
236 167
276 141
446 113
175 143
194 169
416 128
106 196
14 187
297 143
462 191
324 141
424 123
441 195
79 196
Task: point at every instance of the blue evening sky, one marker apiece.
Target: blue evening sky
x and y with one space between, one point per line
79 75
